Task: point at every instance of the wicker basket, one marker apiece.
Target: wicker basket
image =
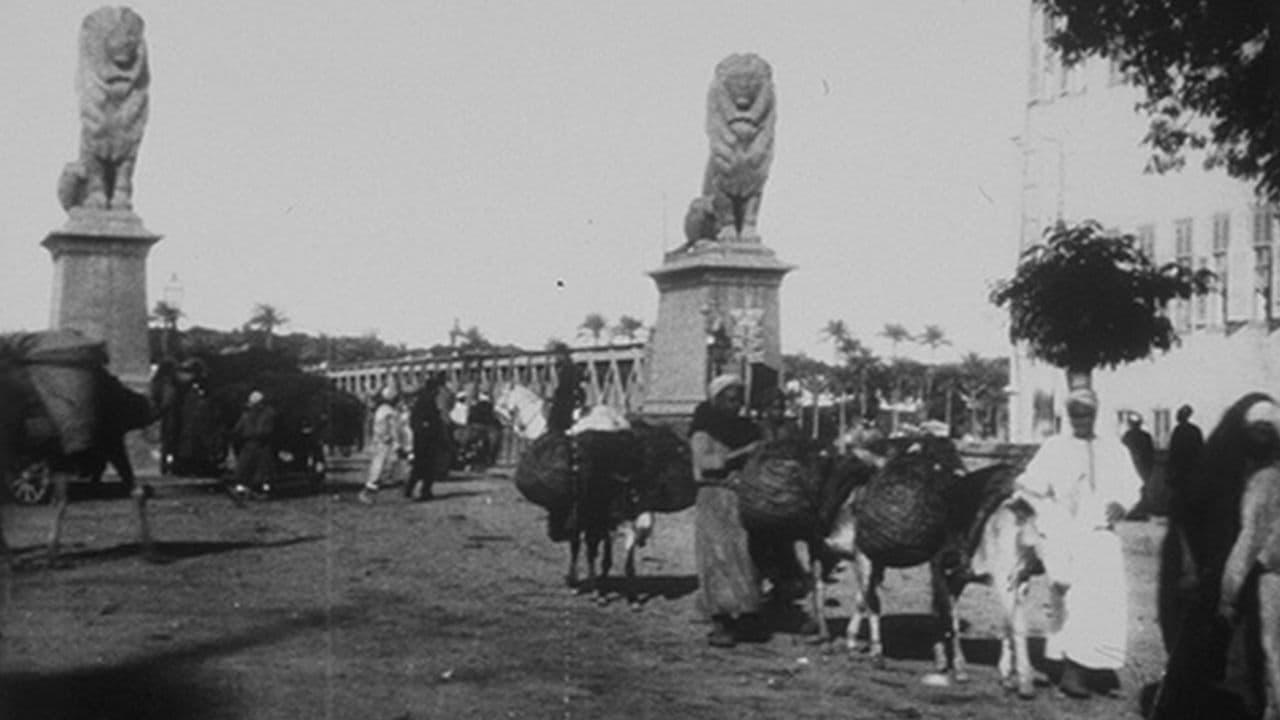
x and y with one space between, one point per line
544 475
901 514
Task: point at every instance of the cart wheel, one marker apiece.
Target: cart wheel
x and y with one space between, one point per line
31 484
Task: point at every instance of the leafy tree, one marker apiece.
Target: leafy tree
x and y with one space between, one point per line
593 326
267 318
627 328
1085 299
472 340
1213 59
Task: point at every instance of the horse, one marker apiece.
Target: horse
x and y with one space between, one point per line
77 430
521 409
920 507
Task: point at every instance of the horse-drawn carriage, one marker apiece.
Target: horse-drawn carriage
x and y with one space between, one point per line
201 398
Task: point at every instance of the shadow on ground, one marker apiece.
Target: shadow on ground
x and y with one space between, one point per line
31 557
168 686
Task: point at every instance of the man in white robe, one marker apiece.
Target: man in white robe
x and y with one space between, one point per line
1081 484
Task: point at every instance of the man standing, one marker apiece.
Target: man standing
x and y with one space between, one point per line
388 447
568 395
1082 484
1142 448
432 445
255 461
1185 445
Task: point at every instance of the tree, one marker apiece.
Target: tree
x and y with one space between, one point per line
593 325
167 315
896 334
1213 60
472 340
812 375
933 337
627 328
1085 299
267 318
838 333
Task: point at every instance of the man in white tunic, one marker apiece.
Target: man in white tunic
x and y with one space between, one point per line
1081 484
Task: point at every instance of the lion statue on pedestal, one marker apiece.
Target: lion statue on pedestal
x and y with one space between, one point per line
740 126
112 81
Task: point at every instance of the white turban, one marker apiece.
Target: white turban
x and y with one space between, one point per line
1083 397
722 382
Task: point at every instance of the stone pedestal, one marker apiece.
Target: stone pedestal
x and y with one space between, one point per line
100 286
699 286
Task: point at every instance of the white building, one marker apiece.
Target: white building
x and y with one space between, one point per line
1083 157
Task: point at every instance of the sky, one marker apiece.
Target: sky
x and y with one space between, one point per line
390 167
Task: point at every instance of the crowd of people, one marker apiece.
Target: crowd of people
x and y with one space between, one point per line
1080 482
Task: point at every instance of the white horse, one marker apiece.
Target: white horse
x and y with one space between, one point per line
526 412
521 409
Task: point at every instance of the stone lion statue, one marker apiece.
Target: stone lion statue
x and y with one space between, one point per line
740 123
111 80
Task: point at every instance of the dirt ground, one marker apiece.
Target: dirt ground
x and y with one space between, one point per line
311 605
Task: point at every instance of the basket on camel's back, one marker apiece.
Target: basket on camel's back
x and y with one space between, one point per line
60 404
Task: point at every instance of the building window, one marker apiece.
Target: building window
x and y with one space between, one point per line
1221 245
1262 263
1201 302
1147 241
1182 252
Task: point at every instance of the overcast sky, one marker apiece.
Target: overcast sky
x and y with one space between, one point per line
390 166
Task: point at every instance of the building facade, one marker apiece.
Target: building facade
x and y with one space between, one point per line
1083 158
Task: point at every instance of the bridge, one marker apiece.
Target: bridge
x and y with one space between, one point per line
613 375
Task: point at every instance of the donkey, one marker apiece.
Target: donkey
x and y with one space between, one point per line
968 534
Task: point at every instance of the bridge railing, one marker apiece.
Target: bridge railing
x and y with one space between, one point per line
612 375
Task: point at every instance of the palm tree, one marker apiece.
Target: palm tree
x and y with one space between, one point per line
167 314
896 334
593 325
837 332
267 318
933 337
1085 299
627 328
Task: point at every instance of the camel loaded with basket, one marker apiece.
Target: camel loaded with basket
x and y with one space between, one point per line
59 404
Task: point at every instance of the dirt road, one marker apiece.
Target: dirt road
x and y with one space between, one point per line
310 605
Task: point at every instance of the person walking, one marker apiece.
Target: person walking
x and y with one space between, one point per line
432 445
255 457
388 444
1185 445
1081 484
720 439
